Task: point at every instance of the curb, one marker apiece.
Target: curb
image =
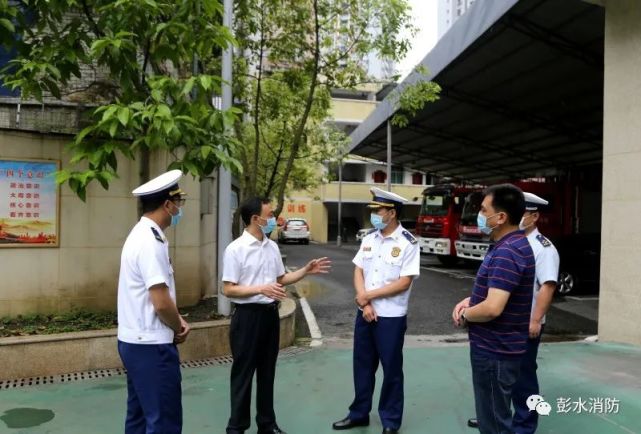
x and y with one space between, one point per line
310 318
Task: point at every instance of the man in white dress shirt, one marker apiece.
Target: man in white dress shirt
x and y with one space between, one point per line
254 279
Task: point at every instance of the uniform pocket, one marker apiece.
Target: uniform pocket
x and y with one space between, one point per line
392 267
367 260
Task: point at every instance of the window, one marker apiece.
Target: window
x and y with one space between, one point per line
379 176
397 175
417 178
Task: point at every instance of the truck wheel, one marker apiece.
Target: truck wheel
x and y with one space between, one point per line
566 283
447 260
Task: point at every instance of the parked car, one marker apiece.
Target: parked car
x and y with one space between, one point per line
361 234
294 229
580 264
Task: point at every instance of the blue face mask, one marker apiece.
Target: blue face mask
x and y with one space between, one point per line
175 219
481 222
270 226
377 221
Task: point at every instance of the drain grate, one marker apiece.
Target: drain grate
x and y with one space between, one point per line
106 373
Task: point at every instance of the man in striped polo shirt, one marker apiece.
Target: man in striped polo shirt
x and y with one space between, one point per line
498 312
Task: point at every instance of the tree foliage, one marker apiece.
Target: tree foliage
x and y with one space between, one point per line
150 100
411 98
294 53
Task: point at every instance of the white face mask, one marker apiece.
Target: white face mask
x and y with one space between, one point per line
522 225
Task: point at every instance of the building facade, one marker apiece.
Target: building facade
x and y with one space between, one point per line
449 11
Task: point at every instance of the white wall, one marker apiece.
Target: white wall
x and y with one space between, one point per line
620 298
83 271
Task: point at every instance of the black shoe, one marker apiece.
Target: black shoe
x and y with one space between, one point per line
274 430
473 423
348 423
390 431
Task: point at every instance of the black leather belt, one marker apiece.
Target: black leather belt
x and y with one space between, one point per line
257 306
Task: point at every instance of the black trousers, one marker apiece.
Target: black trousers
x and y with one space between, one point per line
254 337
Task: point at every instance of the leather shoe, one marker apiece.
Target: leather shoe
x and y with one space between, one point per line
390 431
473 423
274 430
348 423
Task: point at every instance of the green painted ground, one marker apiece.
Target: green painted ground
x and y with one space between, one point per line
315 388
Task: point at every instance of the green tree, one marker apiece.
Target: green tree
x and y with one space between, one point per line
294 53
149 98
411 98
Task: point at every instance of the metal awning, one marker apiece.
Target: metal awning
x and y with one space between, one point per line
522 95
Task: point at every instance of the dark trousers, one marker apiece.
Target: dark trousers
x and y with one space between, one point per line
526 421
254 337
493 381
376 341
153 388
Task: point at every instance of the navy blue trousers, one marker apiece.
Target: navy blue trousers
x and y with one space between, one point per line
526 421
153 385
379 341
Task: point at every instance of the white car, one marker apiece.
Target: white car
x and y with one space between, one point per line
294 229
361 234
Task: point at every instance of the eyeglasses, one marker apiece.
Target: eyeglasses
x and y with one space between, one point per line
179 202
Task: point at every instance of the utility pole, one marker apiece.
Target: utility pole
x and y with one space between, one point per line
339 238
389 156
224 176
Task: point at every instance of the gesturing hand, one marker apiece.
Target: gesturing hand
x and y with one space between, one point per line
318 266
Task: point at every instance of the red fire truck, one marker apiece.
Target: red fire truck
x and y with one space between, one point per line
555 222
571 221
438 220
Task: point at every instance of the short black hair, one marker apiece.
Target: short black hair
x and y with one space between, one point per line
509 199
399 211
252 206
152 203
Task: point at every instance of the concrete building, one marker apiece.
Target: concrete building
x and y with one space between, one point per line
320 206
449 11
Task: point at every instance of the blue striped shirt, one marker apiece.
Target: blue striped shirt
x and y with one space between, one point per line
509 265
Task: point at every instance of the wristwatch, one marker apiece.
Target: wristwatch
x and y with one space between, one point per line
463 315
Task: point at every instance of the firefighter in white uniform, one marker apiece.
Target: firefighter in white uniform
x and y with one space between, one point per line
386 265
149 325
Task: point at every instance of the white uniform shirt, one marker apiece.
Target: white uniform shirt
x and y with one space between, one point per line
385 260
249 261
547 262
144 263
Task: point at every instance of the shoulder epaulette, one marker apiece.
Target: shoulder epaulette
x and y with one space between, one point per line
544 241
157 235
409 237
